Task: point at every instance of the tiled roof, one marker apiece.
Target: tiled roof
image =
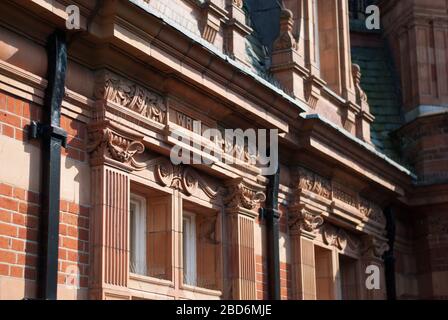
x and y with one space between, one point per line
382 88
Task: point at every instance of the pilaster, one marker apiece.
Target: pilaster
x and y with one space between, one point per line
241 210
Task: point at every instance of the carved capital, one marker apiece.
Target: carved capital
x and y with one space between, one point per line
183 178
112 88
243 195
303 221
109 141
373 247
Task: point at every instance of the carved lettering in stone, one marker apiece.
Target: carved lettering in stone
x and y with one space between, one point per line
344 196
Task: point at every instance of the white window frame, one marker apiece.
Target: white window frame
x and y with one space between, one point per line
189 248
139 236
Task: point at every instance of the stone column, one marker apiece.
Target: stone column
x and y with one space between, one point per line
303 225
241 204
112 149
373 249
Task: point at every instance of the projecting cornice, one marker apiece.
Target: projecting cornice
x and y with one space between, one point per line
336 146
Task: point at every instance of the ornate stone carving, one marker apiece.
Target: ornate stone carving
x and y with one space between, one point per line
241 195
334 236
370 210
131 96
345 196
374 247
312 182
183 178
302 220
286 39
108 140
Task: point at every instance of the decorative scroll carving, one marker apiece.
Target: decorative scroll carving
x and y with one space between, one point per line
286 39
241 195
107 140
374 247
183 178
131 96
312 182
302 220
370 210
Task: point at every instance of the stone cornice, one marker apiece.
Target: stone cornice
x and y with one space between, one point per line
336 196
358 158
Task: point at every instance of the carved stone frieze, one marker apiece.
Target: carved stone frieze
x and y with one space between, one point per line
310 181
243 195
183 178
371 211
129 95
345 196
307 180
111 141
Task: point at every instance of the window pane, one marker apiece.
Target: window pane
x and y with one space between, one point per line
138 235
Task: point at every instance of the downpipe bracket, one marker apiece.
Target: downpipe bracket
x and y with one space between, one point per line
38 130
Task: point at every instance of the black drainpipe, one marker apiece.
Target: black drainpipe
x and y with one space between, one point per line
389 258
52 137
271 214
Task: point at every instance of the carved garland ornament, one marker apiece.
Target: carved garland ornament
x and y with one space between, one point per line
109 141
131 96
183 178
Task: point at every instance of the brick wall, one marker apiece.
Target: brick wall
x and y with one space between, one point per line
19 207
19 211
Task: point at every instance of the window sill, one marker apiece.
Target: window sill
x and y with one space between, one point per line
210 292
146 279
